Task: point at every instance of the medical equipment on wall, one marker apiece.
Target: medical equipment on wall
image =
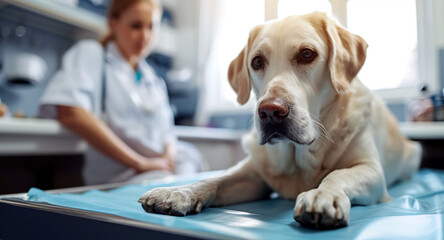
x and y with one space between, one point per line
25 68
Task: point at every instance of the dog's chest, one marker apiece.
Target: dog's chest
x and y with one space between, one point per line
283 174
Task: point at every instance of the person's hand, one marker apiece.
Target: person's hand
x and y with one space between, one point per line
169 158
3 109
155 163
163 163
170 153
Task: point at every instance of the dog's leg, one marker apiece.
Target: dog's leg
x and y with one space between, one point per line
328 206
240 183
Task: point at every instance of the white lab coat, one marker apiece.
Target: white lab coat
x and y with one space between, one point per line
137 112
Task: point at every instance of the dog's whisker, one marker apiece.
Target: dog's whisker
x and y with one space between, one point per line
323 131
327 135
319 130
322 136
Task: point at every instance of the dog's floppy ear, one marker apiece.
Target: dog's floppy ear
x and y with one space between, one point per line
238 73
239 77
347 55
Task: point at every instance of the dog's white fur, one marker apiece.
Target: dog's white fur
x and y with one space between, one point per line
345 145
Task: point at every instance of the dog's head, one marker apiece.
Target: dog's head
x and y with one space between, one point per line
296 67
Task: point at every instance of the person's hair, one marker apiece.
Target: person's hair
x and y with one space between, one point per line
117 7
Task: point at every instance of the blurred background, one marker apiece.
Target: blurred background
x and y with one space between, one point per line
198 40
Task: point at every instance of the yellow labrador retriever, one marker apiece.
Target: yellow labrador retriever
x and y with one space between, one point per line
320 136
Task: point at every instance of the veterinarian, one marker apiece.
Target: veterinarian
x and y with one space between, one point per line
108 94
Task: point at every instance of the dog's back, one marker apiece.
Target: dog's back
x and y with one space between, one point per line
400 158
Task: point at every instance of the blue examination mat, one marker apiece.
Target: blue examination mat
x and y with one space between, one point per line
416 212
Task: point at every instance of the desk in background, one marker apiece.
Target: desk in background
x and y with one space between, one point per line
42 153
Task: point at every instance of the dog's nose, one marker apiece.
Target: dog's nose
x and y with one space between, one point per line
272 110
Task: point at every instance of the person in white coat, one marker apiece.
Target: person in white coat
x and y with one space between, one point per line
107 93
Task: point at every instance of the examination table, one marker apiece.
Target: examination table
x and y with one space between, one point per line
415 212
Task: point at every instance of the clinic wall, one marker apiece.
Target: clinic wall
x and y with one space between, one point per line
438 20
438 7
185 21
441 67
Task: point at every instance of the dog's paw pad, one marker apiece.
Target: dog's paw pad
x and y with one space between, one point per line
319 221
169 201
322 209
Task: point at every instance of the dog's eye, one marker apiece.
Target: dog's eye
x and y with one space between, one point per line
306 56
257 63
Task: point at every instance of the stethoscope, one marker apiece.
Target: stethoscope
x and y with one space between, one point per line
134 96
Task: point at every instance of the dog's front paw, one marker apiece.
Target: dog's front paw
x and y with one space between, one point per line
322 209
177 201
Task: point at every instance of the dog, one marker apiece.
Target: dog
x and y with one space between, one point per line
319 136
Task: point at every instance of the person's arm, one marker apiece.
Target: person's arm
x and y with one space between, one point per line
98 135
170 152
3 109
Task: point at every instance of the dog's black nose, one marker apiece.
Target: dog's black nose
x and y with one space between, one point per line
272 110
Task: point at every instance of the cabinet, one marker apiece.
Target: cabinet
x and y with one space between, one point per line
71 15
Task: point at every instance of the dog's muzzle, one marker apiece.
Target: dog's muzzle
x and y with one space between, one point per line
272 111
275 123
